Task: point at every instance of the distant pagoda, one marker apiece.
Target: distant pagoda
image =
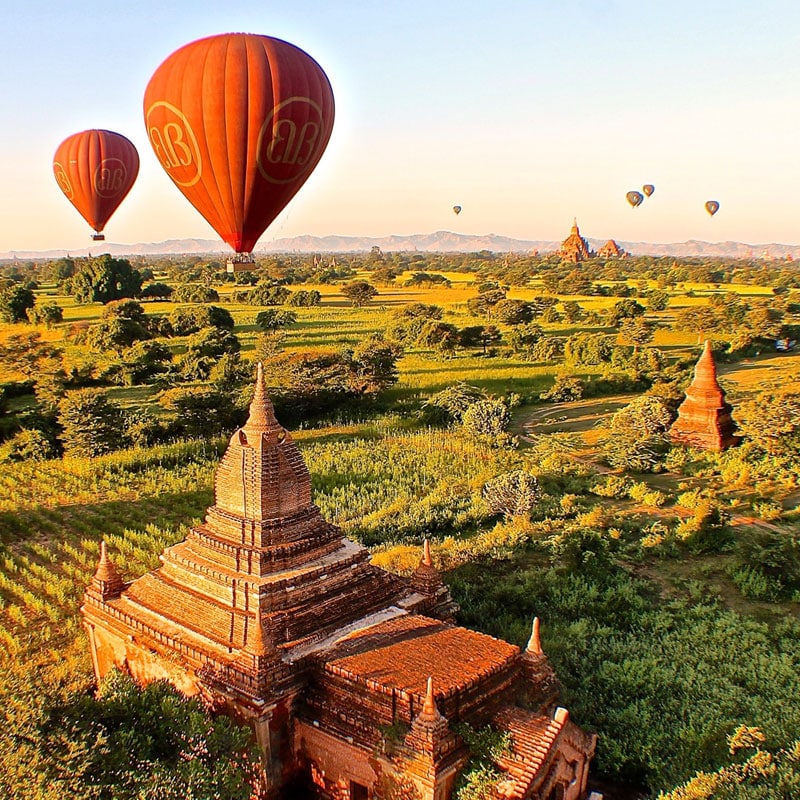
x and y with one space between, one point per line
704 417
575 248
272 616
611 250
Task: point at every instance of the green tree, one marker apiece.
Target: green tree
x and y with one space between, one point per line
657 299
512 494
47 314
359 293
272 319
90 423
102 279
624 309
636 437
636 331
186 320
488 421
194 293
770 422
374 365
199 411
512 312
15 302
23 352
156 291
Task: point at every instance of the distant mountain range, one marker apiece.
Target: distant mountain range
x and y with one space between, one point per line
438 242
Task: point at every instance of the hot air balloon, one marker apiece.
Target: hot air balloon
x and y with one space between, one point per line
239 121
712 206
648 189
635 198
96 169
456 210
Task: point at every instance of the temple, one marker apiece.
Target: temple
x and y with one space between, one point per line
611 250
575 248
353 680
704 417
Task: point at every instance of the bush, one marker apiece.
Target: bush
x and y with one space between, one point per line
566 389
194 293
191 319
488 420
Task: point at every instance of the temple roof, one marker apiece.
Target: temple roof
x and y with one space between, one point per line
403 653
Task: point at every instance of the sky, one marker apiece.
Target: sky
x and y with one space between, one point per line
526 113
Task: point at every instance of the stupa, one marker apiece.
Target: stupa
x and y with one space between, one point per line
575 248
272 616
704 417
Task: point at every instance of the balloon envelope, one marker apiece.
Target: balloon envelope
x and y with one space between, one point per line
239 121
634 198
96 169
712 206
457 210
648 189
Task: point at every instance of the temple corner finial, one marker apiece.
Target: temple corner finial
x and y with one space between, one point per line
535 643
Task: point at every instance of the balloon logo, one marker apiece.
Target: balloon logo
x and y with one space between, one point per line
712 206
96 169
634 198
648 189
456 210
238 122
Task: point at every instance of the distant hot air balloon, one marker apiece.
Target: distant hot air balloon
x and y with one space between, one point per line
239 121
96 169
635 198
712 206
457 210
648 189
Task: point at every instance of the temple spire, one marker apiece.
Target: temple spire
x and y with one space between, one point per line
429 707
106 580
426 554
262 414
534 643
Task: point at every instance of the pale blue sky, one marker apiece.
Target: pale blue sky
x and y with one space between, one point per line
525 113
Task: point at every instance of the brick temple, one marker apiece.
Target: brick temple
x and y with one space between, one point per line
704 417
351 678
575 248
611 250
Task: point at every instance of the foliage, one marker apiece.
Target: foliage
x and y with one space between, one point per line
566 388
27 445
203 350
512 494
488 421
359 293
450 404
47 314
272 319
304 298
771 421
102 279
265 294
194 293
200 411
91 424
480 776
24 352
636 436
186 320
15 303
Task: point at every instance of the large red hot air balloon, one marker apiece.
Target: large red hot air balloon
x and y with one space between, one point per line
239 121
96 169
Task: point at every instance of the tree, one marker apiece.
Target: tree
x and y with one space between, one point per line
29 444
512 494
523 339
374 365
23 352
203 349
156 291
488 421
359 293
512 312
272 319
194 293
265 294
90 423
115 333
440 336
636 437
304 298
624 309
199 411
450 404
657 299
636 331
149 742
482 305
572 311
770 422
47 314
566 389
102 279
15 302
190 319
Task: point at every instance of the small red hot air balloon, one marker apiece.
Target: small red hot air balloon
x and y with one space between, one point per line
648 189
96 169
634 198
712 206
239 121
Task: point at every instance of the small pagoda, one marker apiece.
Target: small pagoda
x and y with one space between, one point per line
270 615
704 417
575 248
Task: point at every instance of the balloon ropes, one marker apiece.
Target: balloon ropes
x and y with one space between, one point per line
96 169
238 122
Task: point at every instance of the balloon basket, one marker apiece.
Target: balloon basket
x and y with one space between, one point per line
98 237
241 262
